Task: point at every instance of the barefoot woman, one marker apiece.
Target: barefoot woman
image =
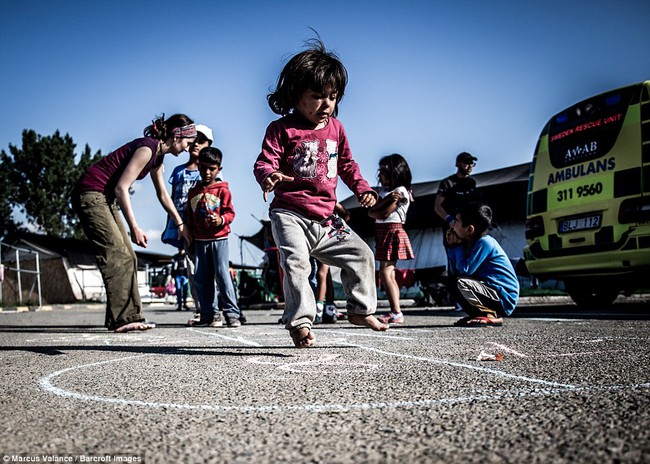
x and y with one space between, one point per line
103 187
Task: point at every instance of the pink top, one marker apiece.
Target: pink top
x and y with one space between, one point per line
315 159
105 173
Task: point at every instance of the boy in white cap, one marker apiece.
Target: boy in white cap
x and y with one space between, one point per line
183 178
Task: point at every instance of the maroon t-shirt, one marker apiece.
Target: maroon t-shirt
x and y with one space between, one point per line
105 173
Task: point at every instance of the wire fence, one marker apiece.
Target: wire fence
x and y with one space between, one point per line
20 276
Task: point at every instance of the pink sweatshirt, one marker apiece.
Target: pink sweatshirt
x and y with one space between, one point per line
315 159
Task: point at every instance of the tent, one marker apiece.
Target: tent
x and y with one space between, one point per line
263 238
67 268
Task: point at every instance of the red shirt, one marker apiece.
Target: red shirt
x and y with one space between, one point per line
204 201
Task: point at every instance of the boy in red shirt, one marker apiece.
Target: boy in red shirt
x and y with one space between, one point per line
209 213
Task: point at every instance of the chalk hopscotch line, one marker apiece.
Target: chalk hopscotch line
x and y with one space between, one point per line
557 355
382 335
467 366
46 384
241 340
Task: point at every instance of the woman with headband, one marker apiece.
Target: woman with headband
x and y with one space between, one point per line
103 187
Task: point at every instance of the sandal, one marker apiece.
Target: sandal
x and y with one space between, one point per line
479 321
392 318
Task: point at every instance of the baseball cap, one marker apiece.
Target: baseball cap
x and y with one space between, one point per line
205 130
464 156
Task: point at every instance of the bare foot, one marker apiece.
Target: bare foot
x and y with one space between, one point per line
367 320
303 337
132 326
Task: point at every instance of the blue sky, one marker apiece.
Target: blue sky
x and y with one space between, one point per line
428 79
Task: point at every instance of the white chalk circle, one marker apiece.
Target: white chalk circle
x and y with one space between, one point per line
328 364
46 383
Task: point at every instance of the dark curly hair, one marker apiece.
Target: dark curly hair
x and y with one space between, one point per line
315 69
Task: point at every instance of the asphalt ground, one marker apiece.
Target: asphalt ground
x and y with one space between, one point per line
572 387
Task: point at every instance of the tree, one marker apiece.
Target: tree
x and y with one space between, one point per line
41 176
7 195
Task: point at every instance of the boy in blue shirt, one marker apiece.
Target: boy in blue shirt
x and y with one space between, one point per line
482 279
182 179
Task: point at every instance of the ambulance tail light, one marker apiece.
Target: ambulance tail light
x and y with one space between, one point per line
534 227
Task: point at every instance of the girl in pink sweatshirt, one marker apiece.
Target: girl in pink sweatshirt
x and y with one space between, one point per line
303 155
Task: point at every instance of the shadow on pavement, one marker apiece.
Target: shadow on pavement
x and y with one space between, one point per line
189 350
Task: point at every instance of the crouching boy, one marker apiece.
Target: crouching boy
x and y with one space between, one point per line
481 277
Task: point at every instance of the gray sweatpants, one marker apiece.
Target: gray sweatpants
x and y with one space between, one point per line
298 238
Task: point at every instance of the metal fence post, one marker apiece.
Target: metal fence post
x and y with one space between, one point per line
20 287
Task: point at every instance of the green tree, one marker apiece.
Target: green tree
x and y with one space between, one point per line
7 198
42 175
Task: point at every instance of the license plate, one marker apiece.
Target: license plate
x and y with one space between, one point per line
581 223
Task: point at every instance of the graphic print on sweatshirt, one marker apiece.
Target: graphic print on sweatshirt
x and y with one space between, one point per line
332 158
305 161
204 206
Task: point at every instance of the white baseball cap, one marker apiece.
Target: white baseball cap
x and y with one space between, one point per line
205 130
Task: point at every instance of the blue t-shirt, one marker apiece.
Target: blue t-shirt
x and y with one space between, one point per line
485 260
182 180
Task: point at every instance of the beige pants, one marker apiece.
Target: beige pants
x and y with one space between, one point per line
115 257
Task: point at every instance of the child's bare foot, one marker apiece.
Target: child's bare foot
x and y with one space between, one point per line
367 320
303 337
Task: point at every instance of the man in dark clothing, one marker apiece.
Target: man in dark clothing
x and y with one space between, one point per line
456 190
250 290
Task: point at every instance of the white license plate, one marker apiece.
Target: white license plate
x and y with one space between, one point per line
582 223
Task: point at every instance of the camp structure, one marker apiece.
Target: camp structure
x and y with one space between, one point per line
41 269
